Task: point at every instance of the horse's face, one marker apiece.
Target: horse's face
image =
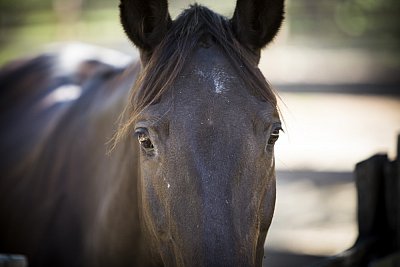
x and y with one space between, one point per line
206 145
207 166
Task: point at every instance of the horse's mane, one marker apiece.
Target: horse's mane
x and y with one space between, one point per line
167 60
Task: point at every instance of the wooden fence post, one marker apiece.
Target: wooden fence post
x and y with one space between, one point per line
378 192
398 194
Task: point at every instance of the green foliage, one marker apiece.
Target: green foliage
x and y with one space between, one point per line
371 24
24 6
365 23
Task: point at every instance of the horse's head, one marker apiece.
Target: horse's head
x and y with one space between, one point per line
206 123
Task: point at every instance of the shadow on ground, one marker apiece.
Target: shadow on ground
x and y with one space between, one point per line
276 258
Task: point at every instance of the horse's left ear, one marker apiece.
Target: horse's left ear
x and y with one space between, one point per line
146 22
256 22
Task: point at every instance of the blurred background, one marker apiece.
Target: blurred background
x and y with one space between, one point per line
336 68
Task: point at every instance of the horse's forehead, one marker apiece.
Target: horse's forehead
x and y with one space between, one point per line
213 71
210 82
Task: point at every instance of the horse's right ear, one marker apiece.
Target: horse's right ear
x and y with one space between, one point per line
146 22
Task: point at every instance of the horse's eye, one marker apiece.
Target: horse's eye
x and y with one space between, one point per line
274 136
144 139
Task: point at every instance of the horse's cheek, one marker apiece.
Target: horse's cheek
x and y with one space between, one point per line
152 200
268 204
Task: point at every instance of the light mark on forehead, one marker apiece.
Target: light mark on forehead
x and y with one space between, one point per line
217 77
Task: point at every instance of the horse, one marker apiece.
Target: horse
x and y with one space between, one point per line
165 161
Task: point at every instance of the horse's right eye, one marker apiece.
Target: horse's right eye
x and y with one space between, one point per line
144 139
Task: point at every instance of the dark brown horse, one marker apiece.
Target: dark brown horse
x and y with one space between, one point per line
188 179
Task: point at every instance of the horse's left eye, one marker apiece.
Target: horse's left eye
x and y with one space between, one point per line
274 136
144 139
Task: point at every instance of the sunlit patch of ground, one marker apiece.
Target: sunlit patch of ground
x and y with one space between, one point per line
327 131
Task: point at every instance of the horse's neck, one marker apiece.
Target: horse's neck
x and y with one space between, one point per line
113 223
103 181
116 226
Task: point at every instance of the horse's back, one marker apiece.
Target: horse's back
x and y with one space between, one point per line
36 93
57 115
